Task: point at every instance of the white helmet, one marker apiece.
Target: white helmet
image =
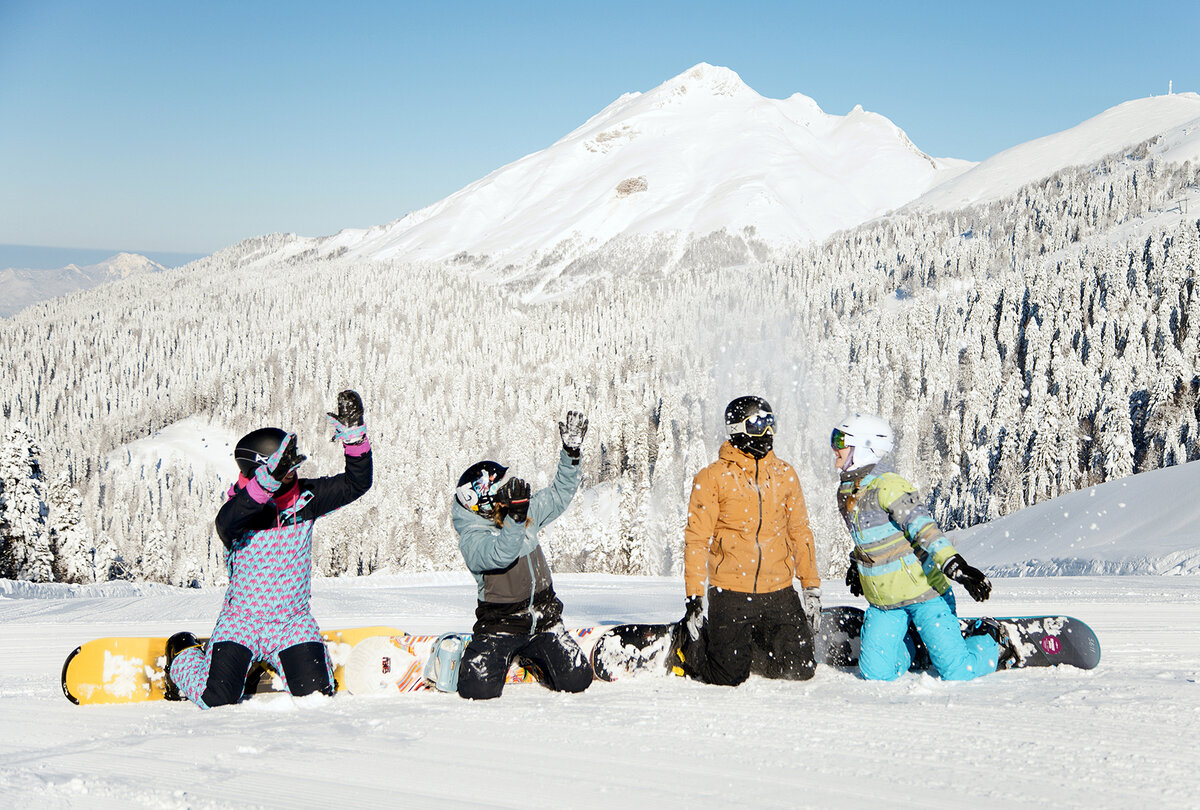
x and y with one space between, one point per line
870 436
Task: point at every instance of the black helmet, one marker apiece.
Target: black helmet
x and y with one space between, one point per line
255 448
478 484
751 425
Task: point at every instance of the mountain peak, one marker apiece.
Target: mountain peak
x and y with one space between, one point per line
700 154
704 79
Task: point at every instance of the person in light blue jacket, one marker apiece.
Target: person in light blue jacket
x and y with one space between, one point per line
518 612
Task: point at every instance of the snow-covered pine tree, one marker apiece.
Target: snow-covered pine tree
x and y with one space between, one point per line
26 552
70 536
154 565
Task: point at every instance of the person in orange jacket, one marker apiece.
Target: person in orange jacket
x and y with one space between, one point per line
748 538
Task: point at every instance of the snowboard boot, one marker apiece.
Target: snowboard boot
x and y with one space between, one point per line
1010 656
675 656
684 648
175 645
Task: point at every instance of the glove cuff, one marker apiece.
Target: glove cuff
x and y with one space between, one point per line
264 478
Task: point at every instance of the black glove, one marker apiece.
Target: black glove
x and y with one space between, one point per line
572 432
348 421
852 581
972 579
513 499
693 616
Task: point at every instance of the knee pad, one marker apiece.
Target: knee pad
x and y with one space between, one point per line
227 670
305 669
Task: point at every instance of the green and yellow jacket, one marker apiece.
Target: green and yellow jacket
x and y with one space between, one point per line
898 547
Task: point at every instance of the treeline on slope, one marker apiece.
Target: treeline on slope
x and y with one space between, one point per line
1021 349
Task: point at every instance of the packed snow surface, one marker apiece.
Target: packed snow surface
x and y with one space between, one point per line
1112 737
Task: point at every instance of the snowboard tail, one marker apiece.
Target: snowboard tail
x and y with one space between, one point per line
1047 641
130 669
629 650
393 664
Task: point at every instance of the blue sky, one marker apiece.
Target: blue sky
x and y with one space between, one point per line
165 126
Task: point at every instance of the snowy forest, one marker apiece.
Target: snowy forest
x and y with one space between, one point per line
1021 349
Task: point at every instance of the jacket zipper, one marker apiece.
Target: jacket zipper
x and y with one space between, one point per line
533 619
758 531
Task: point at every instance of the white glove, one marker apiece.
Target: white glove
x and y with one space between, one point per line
811 601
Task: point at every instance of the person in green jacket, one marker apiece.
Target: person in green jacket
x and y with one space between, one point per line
901 563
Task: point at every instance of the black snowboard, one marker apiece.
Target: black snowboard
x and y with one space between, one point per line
1043 641
628 650
1048 641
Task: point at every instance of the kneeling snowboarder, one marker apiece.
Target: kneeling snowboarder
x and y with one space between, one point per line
518 613
901 563
748 538
267 525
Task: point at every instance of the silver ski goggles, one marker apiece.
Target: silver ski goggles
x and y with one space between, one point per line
758 425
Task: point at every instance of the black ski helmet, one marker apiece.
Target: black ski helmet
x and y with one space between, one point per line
478 484
255 448
751 425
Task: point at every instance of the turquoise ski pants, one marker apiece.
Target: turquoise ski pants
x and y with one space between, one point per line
887 652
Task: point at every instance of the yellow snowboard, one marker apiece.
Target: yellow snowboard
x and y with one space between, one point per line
130 670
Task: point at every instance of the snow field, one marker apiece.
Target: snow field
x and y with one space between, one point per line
1112 737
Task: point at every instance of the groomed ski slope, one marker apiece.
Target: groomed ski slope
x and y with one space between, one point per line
1117 736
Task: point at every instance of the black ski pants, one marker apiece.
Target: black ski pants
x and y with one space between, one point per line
230 676
554 653
764 633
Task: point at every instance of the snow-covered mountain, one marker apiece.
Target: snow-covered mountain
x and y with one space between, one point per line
656 173
1173 119
20 288
699 153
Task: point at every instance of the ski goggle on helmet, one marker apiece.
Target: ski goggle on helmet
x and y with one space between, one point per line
751 416
478 486
870 437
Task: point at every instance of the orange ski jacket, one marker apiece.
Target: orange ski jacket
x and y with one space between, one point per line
747 528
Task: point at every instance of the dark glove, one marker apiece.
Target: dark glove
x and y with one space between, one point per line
852 581
693 616
270 473
972 579
572 432
513 499
348 421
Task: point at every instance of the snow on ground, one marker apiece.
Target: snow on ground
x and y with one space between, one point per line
1114 737
1142 524
1111 737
